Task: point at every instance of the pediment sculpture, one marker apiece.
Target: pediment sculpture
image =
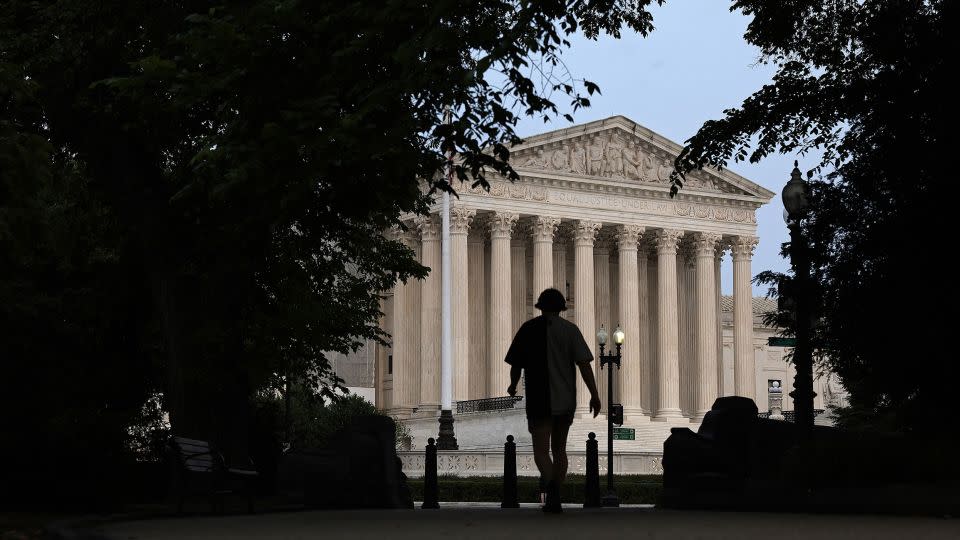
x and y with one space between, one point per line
609 154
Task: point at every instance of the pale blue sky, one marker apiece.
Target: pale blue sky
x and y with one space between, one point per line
692 67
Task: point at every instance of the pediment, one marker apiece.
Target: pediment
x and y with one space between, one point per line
618 148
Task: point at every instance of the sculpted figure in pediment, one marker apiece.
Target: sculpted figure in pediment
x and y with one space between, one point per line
578 159
632 162
535 160
595 157
664 168
614 162
559 158
700 181
649 168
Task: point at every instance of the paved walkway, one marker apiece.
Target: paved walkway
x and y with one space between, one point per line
455 522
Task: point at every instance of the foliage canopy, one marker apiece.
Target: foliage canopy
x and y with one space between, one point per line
193 194
868 83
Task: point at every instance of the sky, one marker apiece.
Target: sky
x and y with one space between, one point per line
692 66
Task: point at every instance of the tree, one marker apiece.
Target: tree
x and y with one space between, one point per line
247 159
868 83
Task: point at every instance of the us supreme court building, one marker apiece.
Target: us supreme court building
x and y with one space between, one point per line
592 216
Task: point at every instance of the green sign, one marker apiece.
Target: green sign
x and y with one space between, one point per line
782 342
624 434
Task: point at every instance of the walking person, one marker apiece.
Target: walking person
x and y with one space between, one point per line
547 351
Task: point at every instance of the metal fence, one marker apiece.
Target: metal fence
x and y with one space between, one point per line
789 416
488 404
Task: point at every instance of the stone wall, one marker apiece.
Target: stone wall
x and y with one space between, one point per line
490 463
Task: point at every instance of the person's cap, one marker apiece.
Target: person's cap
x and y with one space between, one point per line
551 300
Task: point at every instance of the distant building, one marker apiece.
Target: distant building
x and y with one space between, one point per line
591 215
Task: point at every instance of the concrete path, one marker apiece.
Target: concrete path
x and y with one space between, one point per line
455 522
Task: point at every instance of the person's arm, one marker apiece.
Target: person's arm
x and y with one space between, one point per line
515 372
586 371
516 357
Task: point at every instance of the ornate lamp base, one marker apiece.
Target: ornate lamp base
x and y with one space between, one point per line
446 440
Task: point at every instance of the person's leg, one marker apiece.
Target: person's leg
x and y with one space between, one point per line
540 431
561 428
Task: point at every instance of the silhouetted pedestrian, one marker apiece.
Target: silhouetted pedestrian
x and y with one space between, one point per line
547 350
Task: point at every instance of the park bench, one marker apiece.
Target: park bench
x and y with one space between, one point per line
199 469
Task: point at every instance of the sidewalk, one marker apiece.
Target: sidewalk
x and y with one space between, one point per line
455 521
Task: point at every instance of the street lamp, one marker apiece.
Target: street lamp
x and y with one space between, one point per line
796 203
610 499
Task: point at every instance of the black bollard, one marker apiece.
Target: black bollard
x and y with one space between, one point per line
431 496
591 496
510 499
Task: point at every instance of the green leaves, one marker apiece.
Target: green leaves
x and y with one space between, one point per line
866 85
254 153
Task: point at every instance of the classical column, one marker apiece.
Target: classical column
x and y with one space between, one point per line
653 286
429 227
584 233
406 369
543 229
690 327
644 319
683 343
744 375
705 375
478 319
601 301
668 375
614 279
501 323
380 367
718 261
460 220
388 352
560 266
518 279
631 374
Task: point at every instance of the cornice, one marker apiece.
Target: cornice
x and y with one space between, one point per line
618 187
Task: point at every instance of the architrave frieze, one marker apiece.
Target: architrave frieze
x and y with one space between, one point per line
622 204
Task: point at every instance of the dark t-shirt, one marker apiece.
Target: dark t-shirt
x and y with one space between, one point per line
548 348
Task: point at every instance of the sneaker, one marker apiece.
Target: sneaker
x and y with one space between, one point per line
552 508
553 505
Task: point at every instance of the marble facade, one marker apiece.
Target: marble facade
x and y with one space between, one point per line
591 216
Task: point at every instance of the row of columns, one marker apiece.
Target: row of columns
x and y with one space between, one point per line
652 317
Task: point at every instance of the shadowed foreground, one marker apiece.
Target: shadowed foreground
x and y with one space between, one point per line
473 522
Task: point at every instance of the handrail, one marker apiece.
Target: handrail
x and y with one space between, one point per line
488 404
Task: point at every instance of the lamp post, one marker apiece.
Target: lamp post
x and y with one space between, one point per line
610 499
446 437
795 202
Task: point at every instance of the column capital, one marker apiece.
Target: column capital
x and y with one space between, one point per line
585 232
521 234
628 236
429 227
561 240
743 246
460 219
402 235
687 251
604 241
646 246
501 224
705 244
667 241
543 228
722 246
